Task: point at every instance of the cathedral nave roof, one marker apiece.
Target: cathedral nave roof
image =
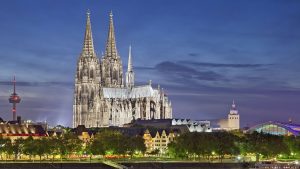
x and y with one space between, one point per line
127 93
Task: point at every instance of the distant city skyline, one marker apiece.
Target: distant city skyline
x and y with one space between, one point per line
203 53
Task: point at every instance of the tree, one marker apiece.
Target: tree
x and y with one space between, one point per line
55 147
275 146
17 147
42 147
73 145
293 144
96 147
135 143
111 141
225 144
254 143
4 145
178 147
265 145
29 147
206 144
60 143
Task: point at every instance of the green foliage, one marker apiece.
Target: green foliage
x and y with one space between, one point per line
154 152
55 145
114 142
111 141
293 144
17 147
71 144
226 144
206 145
265 145
135 144
5 146
188 145
96 147
29 147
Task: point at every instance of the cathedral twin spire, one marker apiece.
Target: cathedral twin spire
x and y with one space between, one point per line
88 45
111 49
111 71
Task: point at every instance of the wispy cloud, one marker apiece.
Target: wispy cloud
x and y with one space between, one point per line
181 71
225 65
35 84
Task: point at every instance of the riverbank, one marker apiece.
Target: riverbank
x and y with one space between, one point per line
186 165
131 165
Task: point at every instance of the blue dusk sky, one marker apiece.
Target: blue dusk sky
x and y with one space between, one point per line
204 53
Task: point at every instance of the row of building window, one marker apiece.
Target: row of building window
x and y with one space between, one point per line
161 140
157 145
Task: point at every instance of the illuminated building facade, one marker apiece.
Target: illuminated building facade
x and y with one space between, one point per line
193 126
233 119
15 131
277 128
101 98
158 140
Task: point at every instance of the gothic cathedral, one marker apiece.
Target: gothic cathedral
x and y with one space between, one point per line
101 98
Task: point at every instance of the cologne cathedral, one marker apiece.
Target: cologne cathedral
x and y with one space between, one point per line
101 98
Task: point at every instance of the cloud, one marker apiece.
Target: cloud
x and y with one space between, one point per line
141 68
36 84
222 77
207 64
185 72
193 54
192 74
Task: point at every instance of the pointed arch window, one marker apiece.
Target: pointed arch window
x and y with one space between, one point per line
92 73
115 75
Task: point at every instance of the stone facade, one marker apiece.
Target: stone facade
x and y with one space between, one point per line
102 99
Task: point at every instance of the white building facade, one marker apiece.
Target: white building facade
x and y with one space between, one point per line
193 126
101 98
233 119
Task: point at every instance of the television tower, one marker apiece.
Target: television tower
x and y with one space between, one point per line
14 99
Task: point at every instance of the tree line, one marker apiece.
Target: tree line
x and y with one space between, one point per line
69 145
232 144
186 146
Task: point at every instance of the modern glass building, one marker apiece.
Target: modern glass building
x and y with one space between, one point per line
277 128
